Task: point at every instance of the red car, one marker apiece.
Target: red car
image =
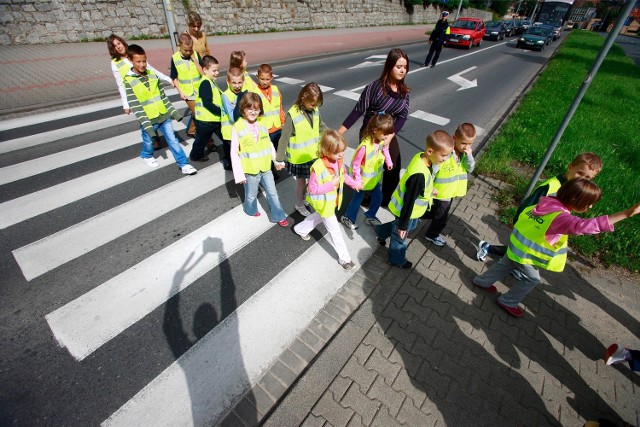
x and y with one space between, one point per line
466 32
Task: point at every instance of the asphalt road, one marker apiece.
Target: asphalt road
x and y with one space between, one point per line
49 376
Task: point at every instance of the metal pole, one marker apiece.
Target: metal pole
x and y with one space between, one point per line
518 8
581 92
459 7
534 13
171 26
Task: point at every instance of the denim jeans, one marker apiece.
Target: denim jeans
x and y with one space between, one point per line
356 201
500 270
204 132
167 130
397 247
251 188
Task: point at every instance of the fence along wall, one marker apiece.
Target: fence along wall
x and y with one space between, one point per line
49 21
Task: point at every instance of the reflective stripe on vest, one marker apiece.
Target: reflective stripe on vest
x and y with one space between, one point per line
226 118
255 156
423 202
271 108
451 179
371 171
123 66
148 97
188 75
202 113
325 204
528 245
303 146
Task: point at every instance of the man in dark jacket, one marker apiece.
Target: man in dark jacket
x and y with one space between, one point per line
436 39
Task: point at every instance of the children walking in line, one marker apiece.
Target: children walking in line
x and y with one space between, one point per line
185 73
208 110
251 154
300 135
539 239
368 162
235 81
413 197
153 109
327 178
451 181
585 165
238 59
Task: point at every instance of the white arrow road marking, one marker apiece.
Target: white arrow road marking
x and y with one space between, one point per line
325 88
428 117
366 63
464 83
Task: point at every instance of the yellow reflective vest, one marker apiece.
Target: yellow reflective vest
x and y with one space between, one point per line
271 108
188 75
248 85
371 171
527 243
327 203
303 145
451 179
255 156
148 97
226 115
554 185
423 202
202 113
122 66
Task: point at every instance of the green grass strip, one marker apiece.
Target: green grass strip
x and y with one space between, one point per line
607 122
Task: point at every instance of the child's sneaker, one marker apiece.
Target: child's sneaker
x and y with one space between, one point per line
615 353
438 240
304 237
302 210
283 223
347 265
348 223
514 311
150 161
189 170
483 250
372 221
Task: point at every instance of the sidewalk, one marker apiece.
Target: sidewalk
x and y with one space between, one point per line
43 76
423 347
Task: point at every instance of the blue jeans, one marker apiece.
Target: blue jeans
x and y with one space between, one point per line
167 130
356 201
397 247
251 188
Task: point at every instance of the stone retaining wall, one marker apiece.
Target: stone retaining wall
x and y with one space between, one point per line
50 21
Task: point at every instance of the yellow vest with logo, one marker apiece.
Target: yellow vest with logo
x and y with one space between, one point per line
188 75
527 243
451 179
371 171
148 97
327 203
255 156
226 123
303 146
271 108
122 66
423 202
202 113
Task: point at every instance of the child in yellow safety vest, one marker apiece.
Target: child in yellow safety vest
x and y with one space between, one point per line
271 102
413 197
368 162
539 239
208 110
251 155
186 72
451 181
300 136
235 81
327 178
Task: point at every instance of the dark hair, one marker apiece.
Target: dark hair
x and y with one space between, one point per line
251 99
579 194
135 49
185 40
264 69
208 61
382 122
310 91
392 58
236 58
112 49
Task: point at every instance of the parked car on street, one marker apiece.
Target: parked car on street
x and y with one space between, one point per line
495 30
534 38
511 27
551 36
466 32
524 25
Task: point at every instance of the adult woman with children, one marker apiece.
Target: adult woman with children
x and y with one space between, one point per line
389 94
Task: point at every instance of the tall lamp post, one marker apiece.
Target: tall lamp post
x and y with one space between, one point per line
171 26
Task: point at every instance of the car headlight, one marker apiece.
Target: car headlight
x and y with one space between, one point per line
540 42
494 33
466 37
521 39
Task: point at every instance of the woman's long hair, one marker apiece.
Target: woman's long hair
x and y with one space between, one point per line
385 78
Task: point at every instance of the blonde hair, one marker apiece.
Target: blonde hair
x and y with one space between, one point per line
593 161
382 122
185 40
236 58
310 92
194 20
332 142
466 132
439 140
234 72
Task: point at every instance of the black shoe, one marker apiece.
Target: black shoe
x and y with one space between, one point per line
404 266
433 65
211 147
381 242
226 164
201 159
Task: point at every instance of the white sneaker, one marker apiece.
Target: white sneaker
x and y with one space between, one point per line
150 161
483 250
189 170
438 240
302 210
347 265
348 223
304 236
615 353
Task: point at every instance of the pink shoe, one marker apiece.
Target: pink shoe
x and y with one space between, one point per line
256 214
490 289
283 223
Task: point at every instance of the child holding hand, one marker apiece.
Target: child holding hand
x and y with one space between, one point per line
251 156
368 161
326 181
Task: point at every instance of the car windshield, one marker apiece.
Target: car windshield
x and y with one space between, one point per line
465 25
492 24
537 31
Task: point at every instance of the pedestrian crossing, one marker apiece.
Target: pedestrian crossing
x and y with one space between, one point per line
200 384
